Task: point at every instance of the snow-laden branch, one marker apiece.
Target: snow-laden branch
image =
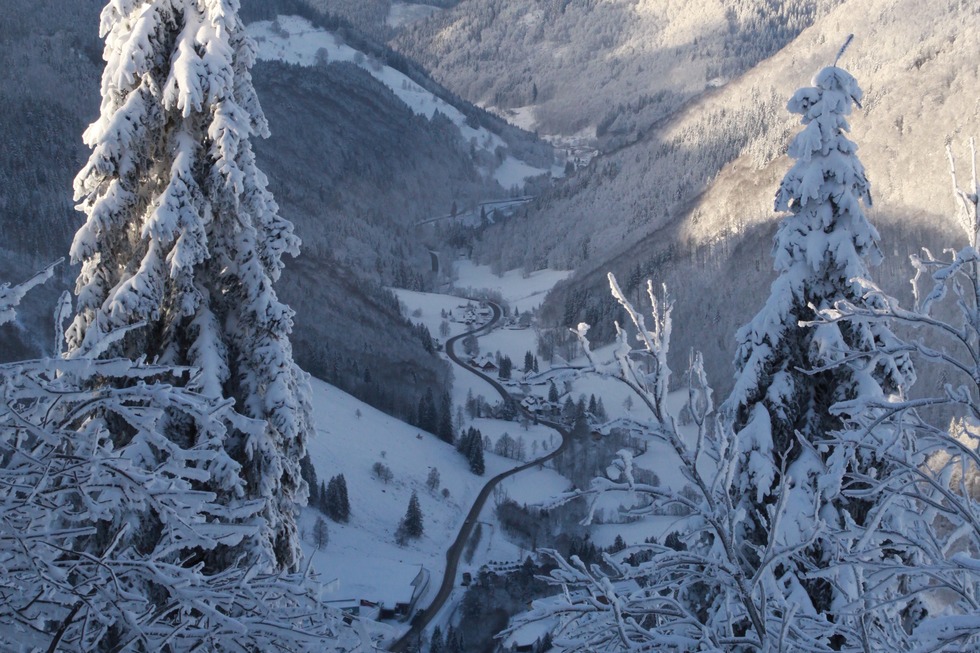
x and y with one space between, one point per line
76 574
701 588
113 526
11 296
916 555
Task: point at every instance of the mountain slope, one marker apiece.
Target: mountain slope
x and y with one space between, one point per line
615 66
344 151
691 203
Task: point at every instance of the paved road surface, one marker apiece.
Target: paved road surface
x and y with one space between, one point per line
454 552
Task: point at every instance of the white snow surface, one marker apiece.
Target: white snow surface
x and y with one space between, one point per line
361 559
513 172
362 555
523 294
297 41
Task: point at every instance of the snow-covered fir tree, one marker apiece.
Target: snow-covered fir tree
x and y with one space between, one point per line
766 558
183 242
445 422
433 480
470 444
336 503
791 372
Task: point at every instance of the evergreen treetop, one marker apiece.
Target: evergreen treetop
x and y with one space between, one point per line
791 371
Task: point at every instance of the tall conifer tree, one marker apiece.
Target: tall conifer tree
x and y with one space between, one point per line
790 372
183 242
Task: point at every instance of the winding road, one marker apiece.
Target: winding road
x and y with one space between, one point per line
455 551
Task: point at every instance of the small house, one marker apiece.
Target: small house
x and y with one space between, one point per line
484 363
399 603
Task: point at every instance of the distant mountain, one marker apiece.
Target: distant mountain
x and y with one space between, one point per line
611 67
350 163
690 204
378 18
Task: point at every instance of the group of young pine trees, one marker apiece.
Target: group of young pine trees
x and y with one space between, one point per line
470 444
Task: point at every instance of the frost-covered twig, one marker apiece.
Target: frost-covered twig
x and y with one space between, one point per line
915 555
714 592
11 296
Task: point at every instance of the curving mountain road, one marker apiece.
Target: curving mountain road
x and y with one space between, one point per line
455 550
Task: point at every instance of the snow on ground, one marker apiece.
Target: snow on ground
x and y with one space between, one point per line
295 40
361 559
362 555
545 438
522 117
466 384
427 308
512 173
535 486
511 342
520 292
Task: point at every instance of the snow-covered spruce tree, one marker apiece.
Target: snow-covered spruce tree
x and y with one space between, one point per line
78 572
411 526
790 372
183 238
336 502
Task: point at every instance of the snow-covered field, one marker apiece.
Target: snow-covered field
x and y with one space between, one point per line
295 40
362 559
512 173
521 293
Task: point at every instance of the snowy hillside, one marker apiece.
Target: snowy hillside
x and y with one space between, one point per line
706 232
362 560
617 66
362 556
294 40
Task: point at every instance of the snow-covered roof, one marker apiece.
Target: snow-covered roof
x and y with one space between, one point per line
402 587
486 361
